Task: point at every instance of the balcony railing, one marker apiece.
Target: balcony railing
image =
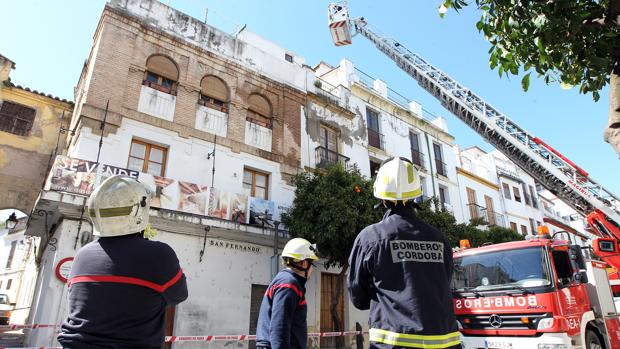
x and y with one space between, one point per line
490 218
417 157
375 139
257 135
156 103
326 157
441 167
211 120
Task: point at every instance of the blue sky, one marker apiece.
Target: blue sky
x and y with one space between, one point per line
49 42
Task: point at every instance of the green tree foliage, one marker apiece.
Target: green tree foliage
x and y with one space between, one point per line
572 42
331 207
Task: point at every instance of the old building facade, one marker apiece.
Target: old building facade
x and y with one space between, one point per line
212 123
494 189
30 123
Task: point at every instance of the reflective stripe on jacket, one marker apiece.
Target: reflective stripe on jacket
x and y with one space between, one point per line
400 269
414 340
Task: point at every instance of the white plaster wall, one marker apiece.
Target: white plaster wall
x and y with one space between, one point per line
49 305
187 158
354 148
13 271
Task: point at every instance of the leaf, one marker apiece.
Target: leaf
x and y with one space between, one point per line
525 82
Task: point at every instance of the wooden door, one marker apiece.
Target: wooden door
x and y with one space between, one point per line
169 324
471 200
256 298
328 287
490 210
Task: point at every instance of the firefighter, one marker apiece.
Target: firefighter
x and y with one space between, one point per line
121 283
282 317
401 269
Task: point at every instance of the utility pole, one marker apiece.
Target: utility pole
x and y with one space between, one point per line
209 155
275 258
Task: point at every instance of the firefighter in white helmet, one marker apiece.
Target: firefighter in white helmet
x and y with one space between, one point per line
401 269
282 317
121 283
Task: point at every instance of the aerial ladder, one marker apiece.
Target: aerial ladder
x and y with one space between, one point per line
551 169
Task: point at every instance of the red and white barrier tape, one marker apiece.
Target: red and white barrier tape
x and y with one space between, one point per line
175 339
5 328
251 337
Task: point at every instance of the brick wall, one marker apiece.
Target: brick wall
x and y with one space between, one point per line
120 64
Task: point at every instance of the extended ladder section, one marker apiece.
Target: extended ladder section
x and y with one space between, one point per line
556 173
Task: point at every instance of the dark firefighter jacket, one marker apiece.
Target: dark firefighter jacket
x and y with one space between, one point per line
401 270
119 288
282 317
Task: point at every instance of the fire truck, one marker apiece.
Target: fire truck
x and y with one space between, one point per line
540 293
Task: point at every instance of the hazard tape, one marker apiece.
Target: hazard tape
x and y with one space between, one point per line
32 348
5 328
228 338
248 337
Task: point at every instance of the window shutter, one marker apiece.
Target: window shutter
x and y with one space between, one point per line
215 88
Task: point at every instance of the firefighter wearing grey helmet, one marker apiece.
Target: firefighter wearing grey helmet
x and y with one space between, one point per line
119 206
121 273
282 320
401 267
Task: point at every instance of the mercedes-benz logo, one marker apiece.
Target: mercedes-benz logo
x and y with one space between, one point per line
495 321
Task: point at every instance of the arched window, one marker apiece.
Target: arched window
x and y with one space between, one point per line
161 74
214 93
259 110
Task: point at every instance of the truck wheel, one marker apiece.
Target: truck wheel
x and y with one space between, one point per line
593 341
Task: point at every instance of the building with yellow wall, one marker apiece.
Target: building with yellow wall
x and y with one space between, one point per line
30 122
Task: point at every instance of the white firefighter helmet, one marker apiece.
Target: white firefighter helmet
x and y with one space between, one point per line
397 180
119 206
299 249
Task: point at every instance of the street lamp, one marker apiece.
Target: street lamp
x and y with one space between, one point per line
11 222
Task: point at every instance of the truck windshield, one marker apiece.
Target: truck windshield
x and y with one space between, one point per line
506 269
4 299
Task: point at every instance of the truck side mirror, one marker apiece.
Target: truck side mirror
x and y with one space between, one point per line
576 257
12 304
581 277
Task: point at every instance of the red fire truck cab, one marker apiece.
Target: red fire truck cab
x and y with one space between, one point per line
539 293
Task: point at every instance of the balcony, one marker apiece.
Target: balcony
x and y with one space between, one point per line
490 218
211 120
330 93
441 167
258 135
326 157
417 158
156 103
375 139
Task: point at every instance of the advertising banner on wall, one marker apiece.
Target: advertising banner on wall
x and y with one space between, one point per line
239 208
261 212
174 195
218 204
81 176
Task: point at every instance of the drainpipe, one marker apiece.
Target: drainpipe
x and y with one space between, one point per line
428 147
